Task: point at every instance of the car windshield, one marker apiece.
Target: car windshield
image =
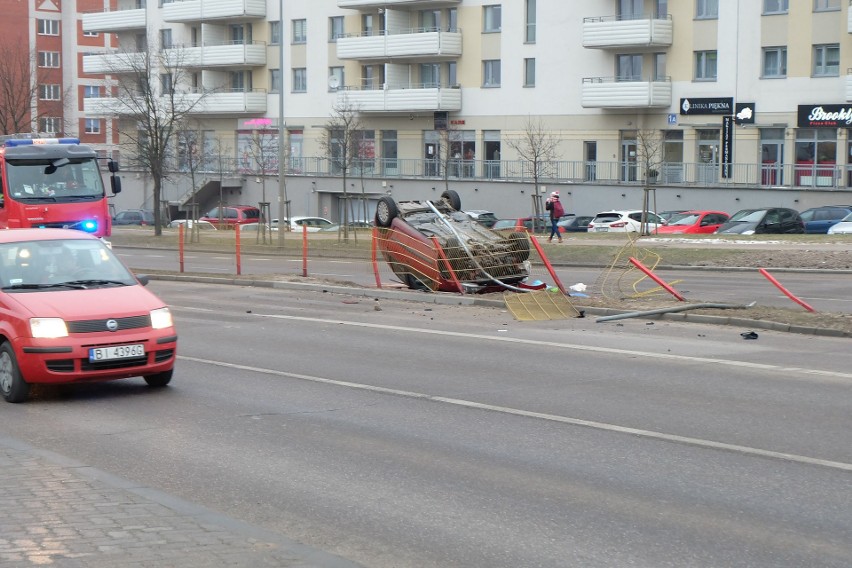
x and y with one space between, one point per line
748 216
683 219
70 263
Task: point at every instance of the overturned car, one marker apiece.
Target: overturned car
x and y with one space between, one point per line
436 246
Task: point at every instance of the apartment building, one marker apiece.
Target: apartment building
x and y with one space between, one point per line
694 92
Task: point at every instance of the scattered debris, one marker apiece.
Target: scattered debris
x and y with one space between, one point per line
749 335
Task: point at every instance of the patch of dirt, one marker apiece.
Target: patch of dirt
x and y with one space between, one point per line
814 259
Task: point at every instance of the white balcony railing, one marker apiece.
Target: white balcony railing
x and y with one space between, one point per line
198 10
614 33
414 43
208 103
389 4
117 21
114 63
411 98
609 92
223 55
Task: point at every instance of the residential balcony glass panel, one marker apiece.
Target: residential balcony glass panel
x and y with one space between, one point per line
611 32
391 4
413 43
113 63
610 92
228 54
402 98
115 21
206 10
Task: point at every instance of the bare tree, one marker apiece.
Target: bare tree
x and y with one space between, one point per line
649 150
20 80
261 157
191 159
450 154
537 147
150 95
342 141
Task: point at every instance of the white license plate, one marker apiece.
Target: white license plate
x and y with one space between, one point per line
601 229
116 352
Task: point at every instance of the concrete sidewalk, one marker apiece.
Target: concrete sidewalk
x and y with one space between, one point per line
61 513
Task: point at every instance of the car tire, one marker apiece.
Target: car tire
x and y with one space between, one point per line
13 387
160 379
386 211
520 246
452 199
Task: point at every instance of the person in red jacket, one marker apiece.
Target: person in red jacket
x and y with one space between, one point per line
556 211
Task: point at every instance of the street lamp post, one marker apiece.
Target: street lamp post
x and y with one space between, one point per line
283 137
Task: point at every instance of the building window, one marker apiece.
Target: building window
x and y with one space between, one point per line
91 91
275 80
335 28
91 34
166 83
705 66
166 39
48 92
530 14
529 72
659 66
628 67
93 126
776 6
48 59
49 124
706 9
826 5
300 80
827 60
335 78
491 73
300 31
774 62
274 33
48 27
491 21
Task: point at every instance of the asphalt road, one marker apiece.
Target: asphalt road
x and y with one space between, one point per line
824 291
401 434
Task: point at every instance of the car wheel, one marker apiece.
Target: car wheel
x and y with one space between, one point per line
520 246
386 210
451 198
160 379
13 387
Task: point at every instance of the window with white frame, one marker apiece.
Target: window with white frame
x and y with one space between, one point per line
300 80
48 92
530 16
705 65
335 28
275 80
826 5
335 78
300 31
529 72
491 18
707 9
274 33
774 62
93 126
776 6
48 27
48 59
91 91
628 67
827 60
91 34
50 124
491 73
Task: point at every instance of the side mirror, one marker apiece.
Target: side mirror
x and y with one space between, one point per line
115 183
112 165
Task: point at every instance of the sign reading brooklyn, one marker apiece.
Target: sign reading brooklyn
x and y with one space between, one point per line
825 116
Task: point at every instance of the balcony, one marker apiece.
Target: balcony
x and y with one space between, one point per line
114 63
197 103
222 55
117 21
409 44
207 10
610 92
848 87
610 32
393 4
412 98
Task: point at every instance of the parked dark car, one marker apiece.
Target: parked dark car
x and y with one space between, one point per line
134 217
432 245
819 219
771 220
574 224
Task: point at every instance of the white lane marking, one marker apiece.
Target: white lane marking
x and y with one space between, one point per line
697 442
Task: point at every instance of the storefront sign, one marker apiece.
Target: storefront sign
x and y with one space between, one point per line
724 105
744 113
727 145
825 116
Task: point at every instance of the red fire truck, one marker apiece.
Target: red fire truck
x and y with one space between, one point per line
54 182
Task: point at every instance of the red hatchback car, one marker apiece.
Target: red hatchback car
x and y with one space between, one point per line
693 222
70 311
231 216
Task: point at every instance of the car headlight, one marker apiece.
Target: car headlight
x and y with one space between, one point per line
161 318
48 328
